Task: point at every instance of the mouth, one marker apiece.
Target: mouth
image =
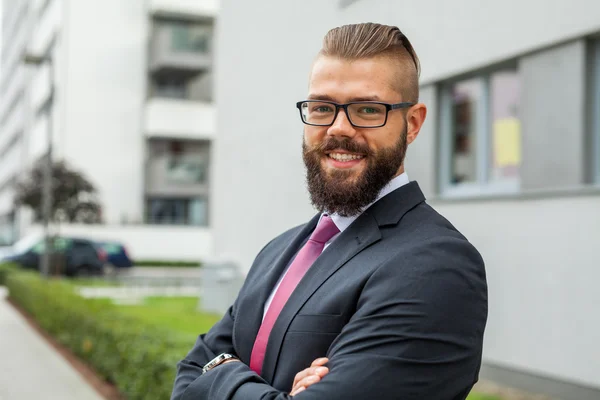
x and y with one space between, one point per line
339 159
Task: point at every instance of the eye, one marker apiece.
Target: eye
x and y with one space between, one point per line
322 108
369 110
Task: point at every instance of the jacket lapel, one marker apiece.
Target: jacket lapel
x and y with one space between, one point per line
360 234
250 311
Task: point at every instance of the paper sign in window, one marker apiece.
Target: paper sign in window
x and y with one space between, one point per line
507 142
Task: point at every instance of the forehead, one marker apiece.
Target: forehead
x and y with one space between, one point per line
346 80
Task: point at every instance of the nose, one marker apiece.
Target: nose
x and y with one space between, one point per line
341 126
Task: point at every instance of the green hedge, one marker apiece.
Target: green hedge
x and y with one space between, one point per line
166 263
6 269
139 358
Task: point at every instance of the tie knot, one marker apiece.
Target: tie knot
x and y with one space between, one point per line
325 230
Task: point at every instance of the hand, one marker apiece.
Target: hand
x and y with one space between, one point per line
309 376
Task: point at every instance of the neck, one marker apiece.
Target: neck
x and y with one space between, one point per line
400 171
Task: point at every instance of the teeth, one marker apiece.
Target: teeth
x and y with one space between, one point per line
344 157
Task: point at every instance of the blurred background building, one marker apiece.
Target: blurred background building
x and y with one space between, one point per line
132 110
510 153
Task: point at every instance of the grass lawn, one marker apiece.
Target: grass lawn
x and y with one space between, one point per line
180 314
476 396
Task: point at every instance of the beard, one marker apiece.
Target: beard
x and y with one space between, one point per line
341 191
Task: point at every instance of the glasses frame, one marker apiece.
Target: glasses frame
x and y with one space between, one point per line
388 108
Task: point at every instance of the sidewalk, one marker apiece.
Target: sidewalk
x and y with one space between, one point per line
30 368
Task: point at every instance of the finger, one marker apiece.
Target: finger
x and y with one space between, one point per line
313 371
310 371
295 392
306 380
301 375
309 381
319 361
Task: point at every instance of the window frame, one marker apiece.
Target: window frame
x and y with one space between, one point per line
483 152
595 111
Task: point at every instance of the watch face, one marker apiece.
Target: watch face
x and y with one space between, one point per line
216 361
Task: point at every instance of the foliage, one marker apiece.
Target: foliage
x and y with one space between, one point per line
74 197
5 270
139 357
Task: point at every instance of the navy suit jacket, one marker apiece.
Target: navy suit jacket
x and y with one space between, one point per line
398 303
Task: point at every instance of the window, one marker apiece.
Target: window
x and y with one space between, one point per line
481 134
60 245
187 163
187 37
184 211
595 117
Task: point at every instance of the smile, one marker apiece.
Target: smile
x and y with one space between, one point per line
344 157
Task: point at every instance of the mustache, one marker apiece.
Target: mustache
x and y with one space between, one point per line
347 144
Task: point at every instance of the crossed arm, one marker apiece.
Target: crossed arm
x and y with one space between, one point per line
418 336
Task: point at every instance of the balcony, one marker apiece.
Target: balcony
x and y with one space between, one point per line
180 49
180 119
196 8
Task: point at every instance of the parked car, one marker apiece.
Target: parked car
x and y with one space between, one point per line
76 256
116 254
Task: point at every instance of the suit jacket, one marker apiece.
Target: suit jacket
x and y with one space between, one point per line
398 303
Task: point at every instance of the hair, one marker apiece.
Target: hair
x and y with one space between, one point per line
367 40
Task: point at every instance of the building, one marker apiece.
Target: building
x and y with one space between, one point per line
510 153
132 109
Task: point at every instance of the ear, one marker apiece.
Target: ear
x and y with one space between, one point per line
414 120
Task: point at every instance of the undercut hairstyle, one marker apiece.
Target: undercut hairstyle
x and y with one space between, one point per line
370 40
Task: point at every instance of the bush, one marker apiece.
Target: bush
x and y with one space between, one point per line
6 269
138 357
166 263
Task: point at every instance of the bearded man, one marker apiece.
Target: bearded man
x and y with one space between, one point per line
378 296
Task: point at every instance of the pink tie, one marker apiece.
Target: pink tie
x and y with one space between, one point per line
307 255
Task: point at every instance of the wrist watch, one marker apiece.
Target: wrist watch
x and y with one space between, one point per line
218 360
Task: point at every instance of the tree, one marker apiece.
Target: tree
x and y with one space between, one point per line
74 197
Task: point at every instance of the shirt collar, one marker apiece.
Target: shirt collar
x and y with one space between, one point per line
344 222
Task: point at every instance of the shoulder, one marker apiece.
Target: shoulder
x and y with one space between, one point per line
429 248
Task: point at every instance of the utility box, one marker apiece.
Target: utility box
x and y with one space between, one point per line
221 282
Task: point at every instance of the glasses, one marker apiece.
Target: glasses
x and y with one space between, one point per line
363 114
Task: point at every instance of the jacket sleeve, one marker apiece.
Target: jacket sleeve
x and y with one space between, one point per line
218 340
417 333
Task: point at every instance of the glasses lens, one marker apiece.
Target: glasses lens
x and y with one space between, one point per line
367 114
317 113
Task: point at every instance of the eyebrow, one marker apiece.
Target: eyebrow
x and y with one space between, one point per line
326 97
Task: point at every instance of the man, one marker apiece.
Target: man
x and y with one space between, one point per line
377 296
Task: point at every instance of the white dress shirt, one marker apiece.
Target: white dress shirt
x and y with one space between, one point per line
344 222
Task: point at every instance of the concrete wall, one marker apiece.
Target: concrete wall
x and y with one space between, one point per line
104 99
540 252
542 265
453 36
179 119
198 8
